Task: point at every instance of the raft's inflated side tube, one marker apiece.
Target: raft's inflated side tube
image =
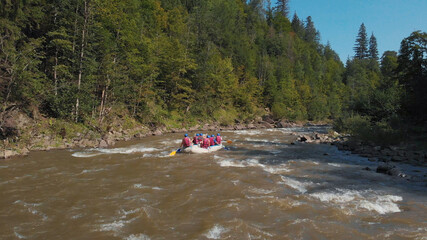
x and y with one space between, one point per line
197 149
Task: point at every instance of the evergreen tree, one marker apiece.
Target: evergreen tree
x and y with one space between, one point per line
311 34
282 7
298 25
361 46
373 50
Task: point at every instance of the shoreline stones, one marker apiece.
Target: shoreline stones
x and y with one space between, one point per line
380 154
46 143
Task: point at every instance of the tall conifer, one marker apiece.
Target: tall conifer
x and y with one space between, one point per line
311 34
361 46
283 7
297 25
373 50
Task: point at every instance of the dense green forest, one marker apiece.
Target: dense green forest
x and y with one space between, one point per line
172 61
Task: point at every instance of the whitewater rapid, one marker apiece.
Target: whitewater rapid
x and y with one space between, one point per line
263 187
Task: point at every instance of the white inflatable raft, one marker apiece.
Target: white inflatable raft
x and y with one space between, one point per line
197 149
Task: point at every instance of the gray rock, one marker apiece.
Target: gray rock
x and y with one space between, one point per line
111 142
390 170
103 144
397 159
157 132
268 119
9 153
283 124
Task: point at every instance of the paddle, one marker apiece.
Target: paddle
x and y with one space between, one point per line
174 152
228 141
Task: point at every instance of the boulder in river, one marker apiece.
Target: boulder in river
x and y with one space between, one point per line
390 170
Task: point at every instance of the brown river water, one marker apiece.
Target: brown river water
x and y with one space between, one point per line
263 187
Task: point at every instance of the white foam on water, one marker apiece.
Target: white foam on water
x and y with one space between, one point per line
299 220
295 184
31 207
126 213
126 150
140 186
260 191
137 237
231 163
77 216
85 154
354 200
341 197
149 211
93 170
215 232
257 140
18 235
113 227
260 197
247 132
334 164
1 167
277 169
383 204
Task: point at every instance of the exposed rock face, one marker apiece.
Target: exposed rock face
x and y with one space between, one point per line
12 122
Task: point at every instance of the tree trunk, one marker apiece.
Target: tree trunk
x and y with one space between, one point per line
55 73
86 14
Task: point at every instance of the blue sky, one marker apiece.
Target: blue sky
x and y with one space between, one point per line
339 20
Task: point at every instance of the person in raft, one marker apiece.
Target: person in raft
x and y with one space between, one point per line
212 140
206 143
218 139
196 139
186 141
200 138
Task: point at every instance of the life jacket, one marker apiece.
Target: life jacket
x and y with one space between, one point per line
212 142
206 143
200 139
195 140
218 139
186 142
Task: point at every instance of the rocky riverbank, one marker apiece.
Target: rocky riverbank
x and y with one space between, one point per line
30 134
387 157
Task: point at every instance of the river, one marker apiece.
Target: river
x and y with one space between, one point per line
263 187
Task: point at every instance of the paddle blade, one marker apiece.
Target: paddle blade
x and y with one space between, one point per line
172 153
228 141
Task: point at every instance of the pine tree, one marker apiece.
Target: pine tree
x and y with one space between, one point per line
311 34
361 46
283 7
297 25
373 50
